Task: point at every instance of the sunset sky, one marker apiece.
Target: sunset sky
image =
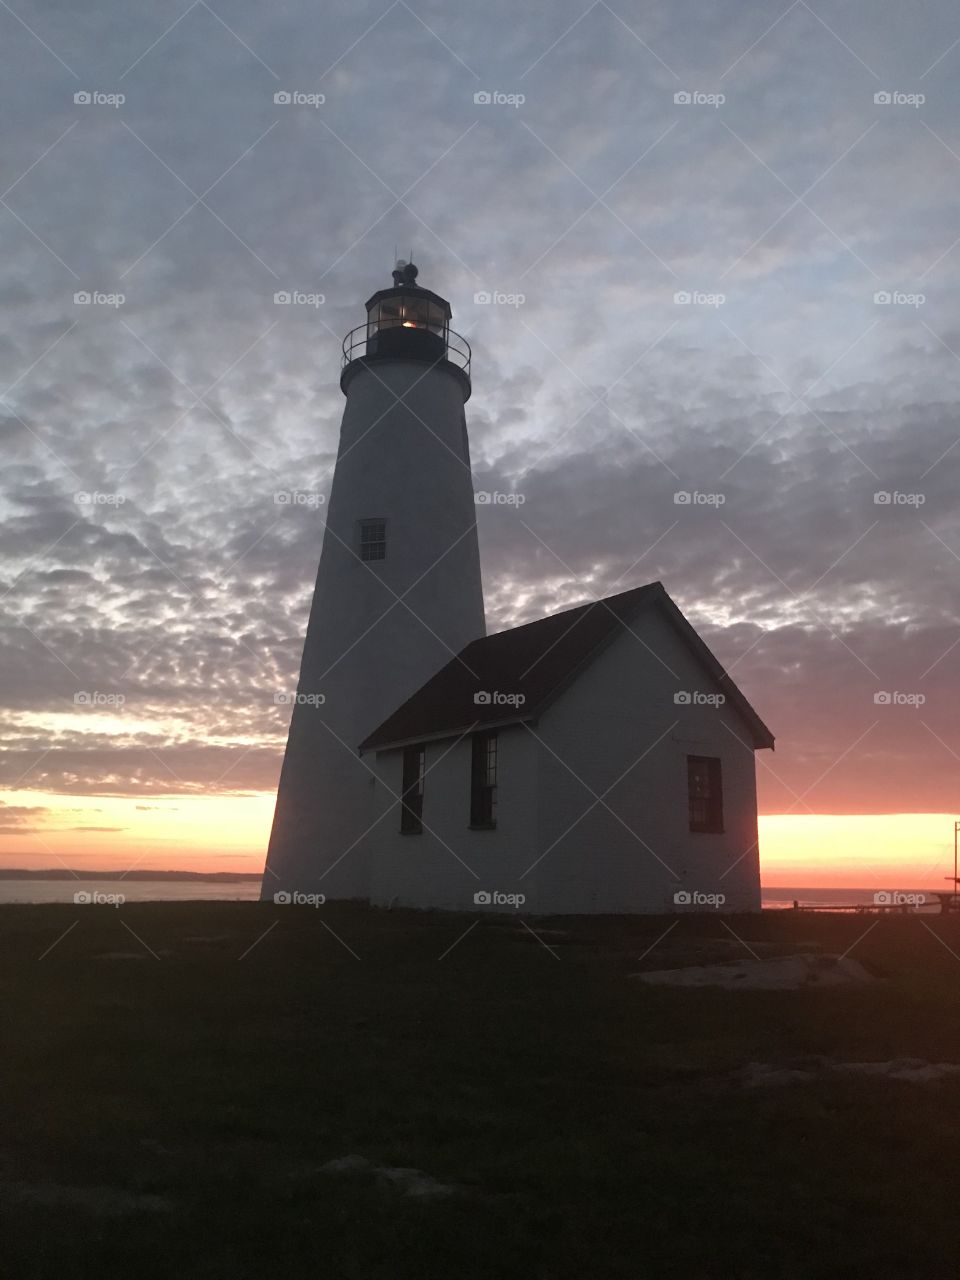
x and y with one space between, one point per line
154 583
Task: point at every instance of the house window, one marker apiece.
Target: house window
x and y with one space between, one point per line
373 539
705 793
483 781
411 800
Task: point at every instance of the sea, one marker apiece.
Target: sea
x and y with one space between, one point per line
129 890
38 891
776 898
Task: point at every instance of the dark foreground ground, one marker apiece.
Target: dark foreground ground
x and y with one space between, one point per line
170 1114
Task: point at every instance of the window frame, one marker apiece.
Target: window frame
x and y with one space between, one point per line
365 544
413 761
705 808
484 780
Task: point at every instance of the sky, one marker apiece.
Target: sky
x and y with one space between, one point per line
698 250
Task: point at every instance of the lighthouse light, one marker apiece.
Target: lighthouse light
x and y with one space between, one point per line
424 316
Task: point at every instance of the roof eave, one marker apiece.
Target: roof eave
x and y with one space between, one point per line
458 731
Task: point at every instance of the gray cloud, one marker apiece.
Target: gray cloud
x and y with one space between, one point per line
599 398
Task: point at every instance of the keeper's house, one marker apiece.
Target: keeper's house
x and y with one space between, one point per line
599 760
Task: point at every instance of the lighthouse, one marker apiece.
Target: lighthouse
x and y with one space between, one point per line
398 591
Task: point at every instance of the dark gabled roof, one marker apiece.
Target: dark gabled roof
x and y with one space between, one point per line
534 663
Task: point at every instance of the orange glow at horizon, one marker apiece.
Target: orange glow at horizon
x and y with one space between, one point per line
158 832
229 833
855 851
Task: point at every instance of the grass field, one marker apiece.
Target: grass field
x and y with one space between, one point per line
170 1098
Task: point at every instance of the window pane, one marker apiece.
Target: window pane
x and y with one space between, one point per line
483 788
389 313
373 539
705 794
411 802
436 319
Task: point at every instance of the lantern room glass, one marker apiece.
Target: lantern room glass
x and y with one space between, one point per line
407 311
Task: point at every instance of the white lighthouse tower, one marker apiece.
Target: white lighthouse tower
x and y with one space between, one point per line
398 590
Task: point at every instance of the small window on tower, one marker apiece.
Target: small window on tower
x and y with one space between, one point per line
373 539
705 794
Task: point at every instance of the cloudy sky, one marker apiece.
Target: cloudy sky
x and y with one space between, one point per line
686 214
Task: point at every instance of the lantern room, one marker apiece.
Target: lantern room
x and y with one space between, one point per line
410 323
